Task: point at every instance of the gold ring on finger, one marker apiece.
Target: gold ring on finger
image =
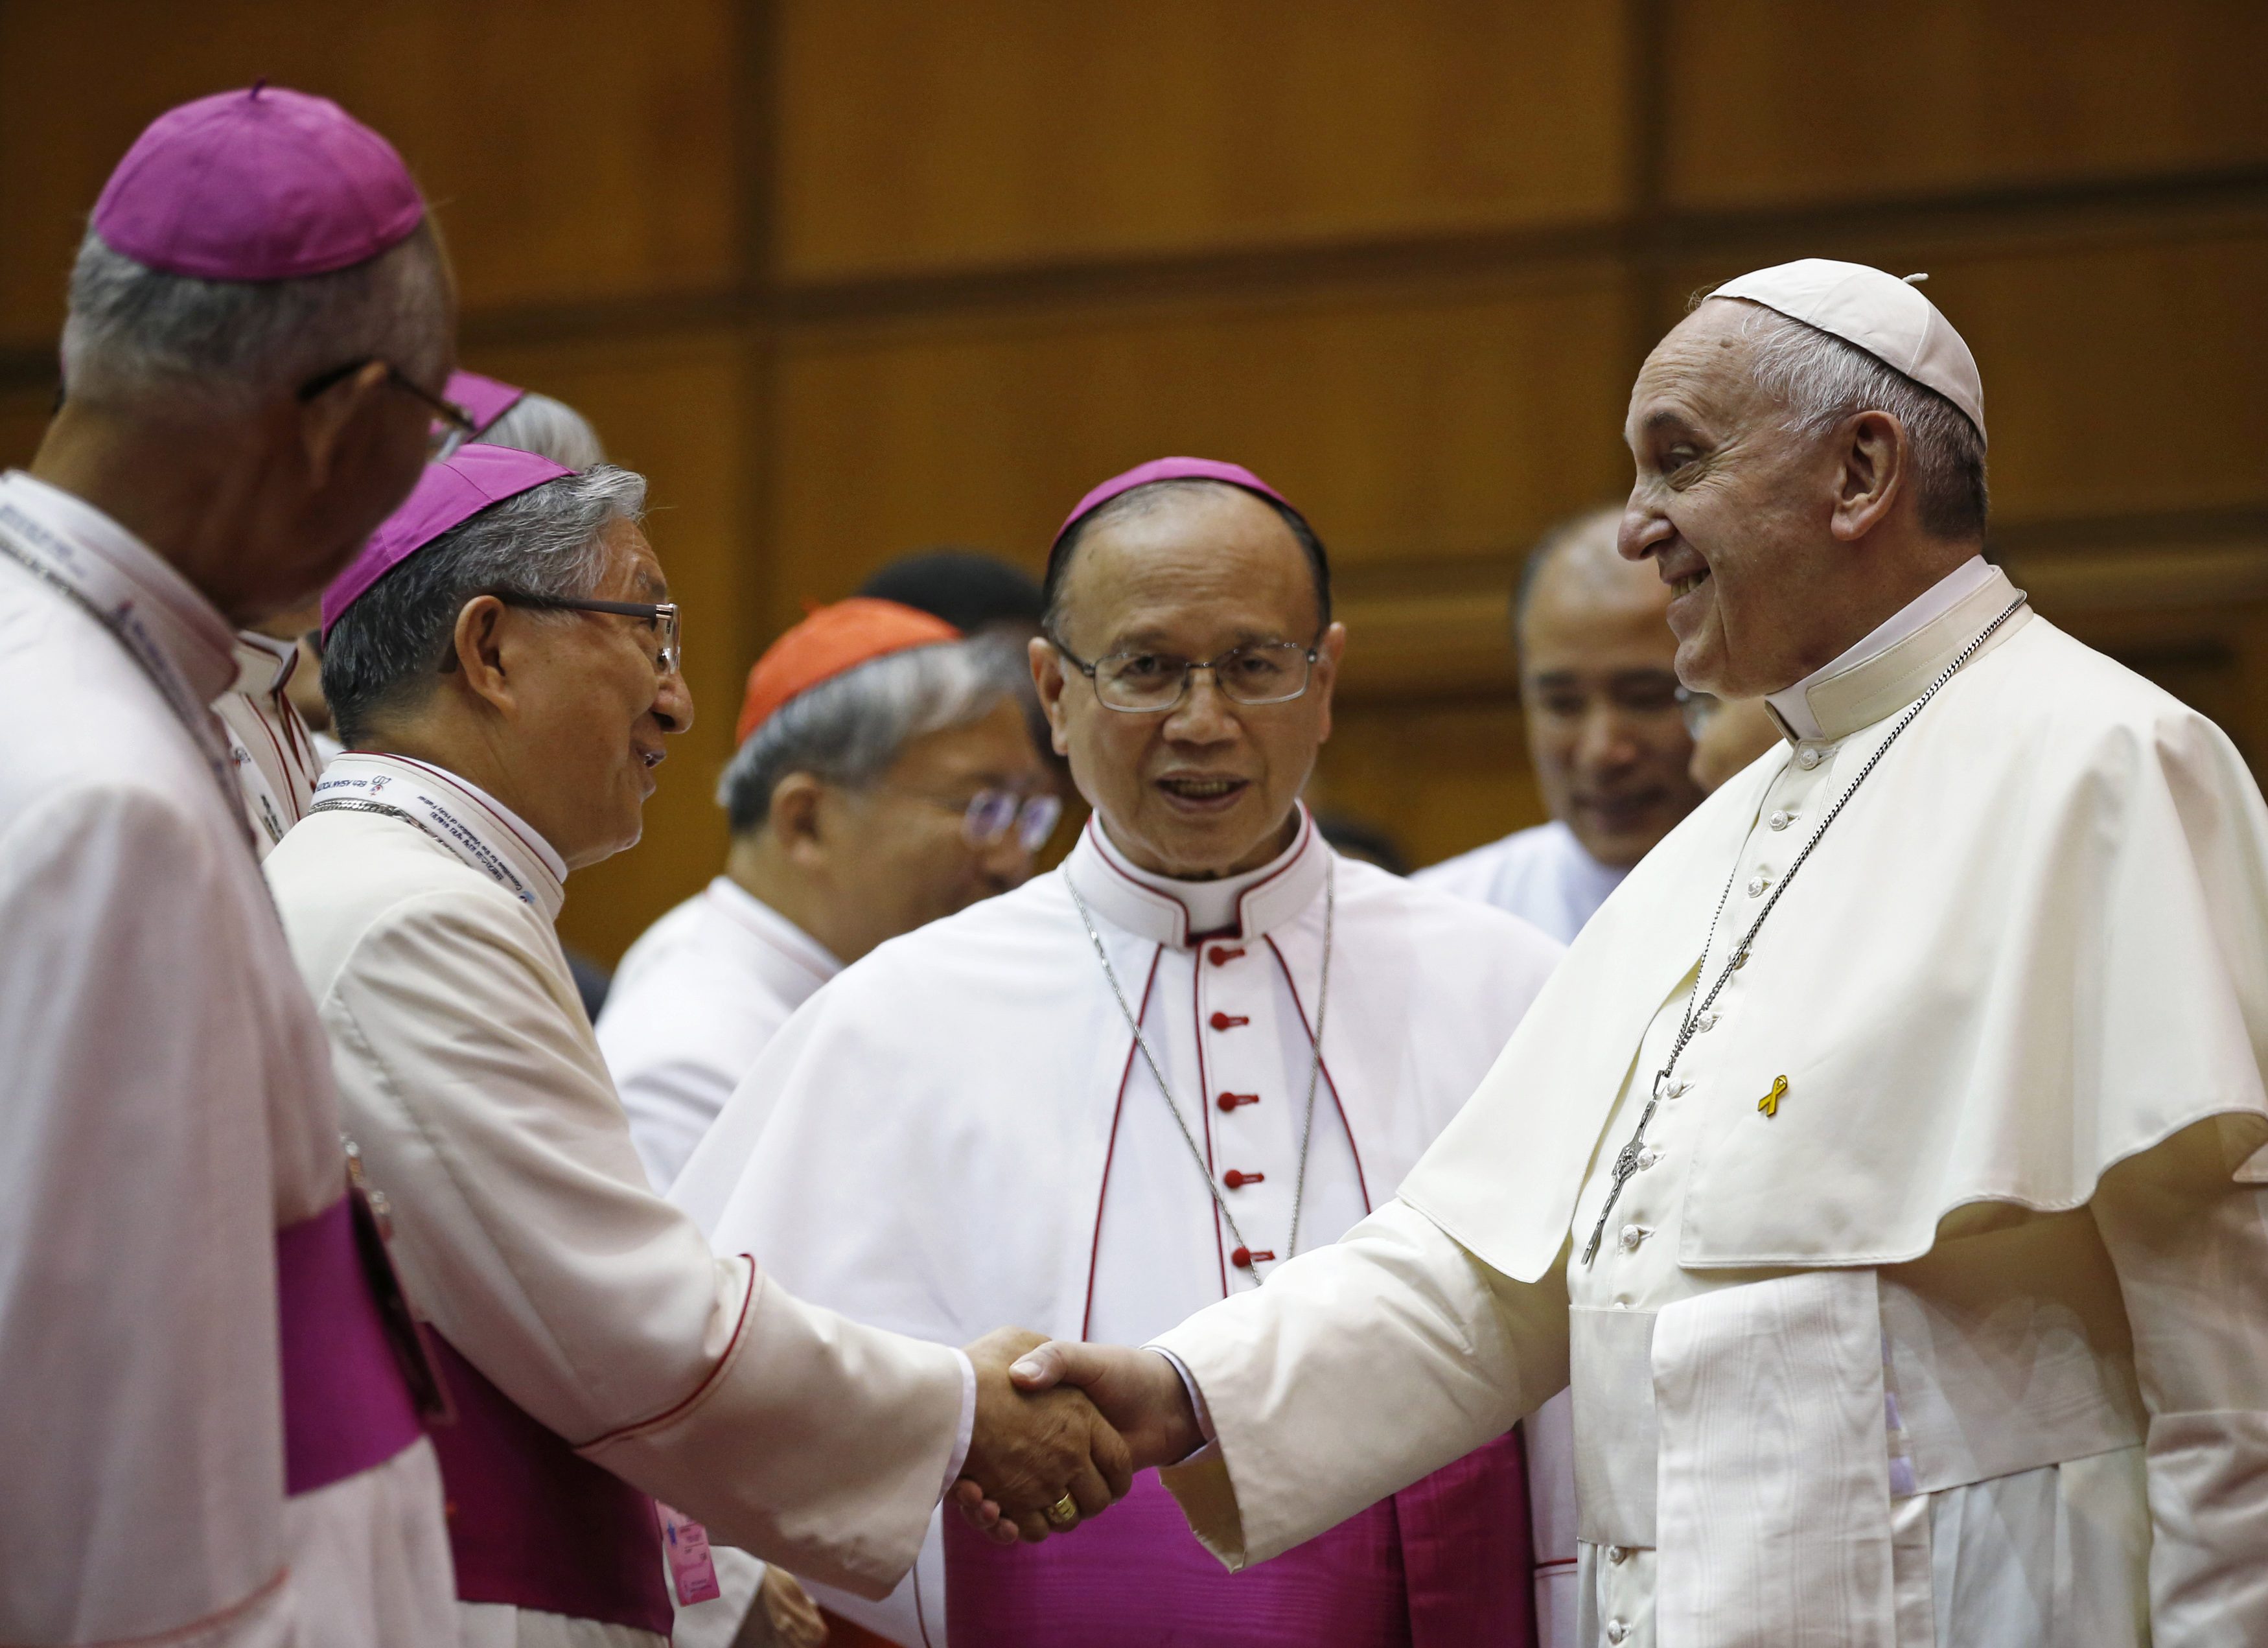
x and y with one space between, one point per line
1063 1513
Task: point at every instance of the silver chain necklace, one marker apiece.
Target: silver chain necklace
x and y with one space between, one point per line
1626 1161
1315 1064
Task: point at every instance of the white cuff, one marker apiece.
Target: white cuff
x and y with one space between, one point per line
1196 1406
967 1427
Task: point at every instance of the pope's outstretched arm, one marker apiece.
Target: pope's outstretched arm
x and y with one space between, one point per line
1355 1370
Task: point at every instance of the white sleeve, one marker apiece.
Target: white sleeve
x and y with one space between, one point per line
1357 1369
2190 1247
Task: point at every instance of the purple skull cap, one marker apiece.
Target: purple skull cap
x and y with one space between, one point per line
450 493
484 399
1169 470
260 185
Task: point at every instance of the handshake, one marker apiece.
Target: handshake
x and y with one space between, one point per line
1061 1428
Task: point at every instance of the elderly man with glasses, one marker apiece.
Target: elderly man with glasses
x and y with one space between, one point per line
502 660
885 778
1141 1083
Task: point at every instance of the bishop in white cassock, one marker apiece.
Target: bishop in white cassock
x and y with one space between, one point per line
1883 1157
596 1351
209 1433
965 1127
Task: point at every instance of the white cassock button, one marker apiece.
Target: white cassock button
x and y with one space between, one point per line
1707 1021
1617 1630
1780 821
1677 1089
1809 757
1617 1553
1757 883
1648 1157
1632 1235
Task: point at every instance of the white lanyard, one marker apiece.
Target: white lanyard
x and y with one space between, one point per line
111 599
386 784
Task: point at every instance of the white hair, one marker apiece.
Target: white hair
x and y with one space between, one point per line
136 332
549 541
549 429
1820 380
848 730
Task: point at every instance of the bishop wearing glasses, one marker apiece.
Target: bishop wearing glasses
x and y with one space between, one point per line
1137 1084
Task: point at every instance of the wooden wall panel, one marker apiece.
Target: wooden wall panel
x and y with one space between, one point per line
1779 101
916 135
1438 777
1440 424
678 410
23 419
578 150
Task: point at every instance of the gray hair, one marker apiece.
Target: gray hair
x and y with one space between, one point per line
848 730
1822 380
386 649
549 429
134 331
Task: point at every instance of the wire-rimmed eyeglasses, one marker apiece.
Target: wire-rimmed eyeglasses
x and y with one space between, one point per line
1139 682
668 657
990 815
454 424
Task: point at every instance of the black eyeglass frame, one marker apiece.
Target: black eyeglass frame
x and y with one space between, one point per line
460 422
668 660
1310 654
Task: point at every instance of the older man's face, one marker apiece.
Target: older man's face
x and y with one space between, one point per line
1734 512
597 708
1207 787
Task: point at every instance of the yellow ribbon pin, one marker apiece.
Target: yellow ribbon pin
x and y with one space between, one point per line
1770 1103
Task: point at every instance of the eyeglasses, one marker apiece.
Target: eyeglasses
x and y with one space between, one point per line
991 815
669 658
1146 683
1697 707
454 424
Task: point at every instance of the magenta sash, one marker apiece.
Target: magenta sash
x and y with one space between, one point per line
534 1524
1444 1564
347 1407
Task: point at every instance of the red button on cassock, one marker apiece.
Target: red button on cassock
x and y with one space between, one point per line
1241 1258
1227 1021
1236 1179
1229 1101
1221 955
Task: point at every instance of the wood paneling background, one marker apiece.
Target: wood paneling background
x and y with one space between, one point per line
846 279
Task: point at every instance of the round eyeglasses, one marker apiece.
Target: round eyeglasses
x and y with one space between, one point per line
1137 682
991 816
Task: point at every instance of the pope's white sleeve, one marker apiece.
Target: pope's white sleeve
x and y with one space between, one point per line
2190 1249
1355 1370
544 1256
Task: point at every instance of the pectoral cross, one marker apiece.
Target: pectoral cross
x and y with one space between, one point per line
1626 1165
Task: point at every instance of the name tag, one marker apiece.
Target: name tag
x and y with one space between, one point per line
692 1570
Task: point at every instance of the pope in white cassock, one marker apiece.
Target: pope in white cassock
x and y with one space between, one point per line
969 1126
502 661
211 1429
1882 1159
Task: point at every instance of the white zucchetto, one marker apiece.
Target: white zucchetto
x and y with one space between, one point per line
1887 317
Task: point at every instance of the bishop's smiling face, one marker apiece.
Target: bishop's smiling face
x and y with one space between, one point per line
1733 510
1205 789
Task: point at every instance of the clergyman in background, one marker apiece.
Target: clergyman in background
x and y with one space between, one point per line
884 779
1599 692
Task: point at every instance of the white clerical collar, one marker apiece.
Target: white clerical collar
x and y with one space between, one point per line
1820 707
128 581
1170 911
748 910
461 815
264 663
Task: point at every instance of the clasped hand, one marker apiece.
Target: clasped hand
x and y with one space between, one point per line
1055 1419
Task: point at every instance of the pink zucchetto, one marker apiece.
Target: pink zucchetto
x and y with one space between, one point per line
484 399
260 185
1887 317
1170 469
450 493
